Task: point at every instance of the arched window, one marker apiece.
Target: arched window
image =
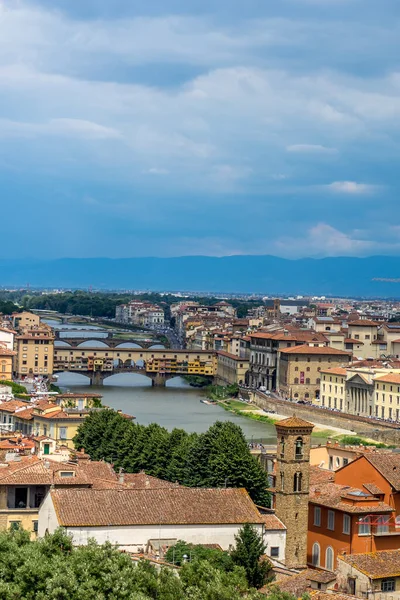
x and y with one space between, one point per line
329 559
307 380
306 395
315 554
299 447
282 481
297 481
296 368
296 380
308 368
296 395
282 446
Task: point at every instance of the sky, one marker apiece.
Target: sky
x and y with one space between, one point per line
212 127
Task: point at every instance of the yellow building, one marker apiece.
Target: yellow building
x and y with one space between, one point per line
300 369
231 369
6 362
333 388
365 332
387 396
35 351
25 320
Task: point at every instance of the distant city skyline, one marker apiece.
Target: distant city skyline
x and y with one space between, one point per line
175 128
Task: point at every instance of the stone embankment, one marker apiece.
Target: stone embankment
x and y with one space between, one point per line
387 433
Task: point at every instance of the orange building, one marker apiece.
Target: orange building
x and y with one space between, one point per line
358 513
339 522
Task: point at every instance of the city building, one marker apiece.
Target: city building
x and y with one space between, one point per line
7 337
333 388
300 369
6 362
292 486
365 331
265 349
131 519
143 314
370 574
231 369
34 346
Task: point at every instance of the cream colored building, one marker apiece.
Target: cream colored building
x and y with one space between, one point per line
25 319
7 337
333 388
365 331
231 369
35 351
387 396
6 362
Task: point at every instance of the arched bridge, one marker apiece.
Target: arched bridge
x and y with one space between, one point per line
107 340
158 365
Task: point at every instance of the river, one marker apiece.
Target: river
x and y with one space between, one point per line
176 405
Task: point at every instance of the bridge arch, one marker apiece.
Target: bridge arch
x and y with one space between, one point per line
156 347
129 345
62 344
98 343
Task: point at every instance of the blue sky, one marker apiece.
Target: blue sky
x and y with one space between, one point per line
216 127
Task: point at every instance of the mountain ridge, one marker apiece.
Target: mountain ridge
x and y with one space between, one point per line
261 274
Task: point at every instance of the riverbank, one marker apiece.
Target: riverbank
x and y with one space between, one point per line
250 411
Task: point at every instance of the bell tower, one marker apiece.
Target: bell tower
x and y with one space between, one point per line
292 486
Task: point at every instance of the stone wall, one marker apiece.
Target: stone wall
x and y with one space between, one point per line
362 426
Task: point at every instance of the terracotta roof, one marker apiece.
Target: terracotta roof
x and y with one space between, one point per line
318 475
384 563
332 596
25 414
333 495
388 465
6 351
389 378
335 371
272 523
353 341
373 489
142 481
305 349
232 356
173 506
11 405
363 323
294 422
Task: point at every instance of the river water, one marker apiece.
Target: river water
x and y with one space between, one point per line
176 405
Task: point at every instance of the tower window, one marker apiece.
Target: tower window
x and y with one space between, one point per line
282 447
299 448
315 554
297 482
282 481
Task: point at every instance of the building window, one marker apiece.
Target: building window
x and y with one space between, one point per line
35 526
307 381
329 559
299 448
345 461
388 584
296 380
282 481
364 527
331 520
14 525
274 551
315 554
346 524
297 481
282 447
63 433
317 516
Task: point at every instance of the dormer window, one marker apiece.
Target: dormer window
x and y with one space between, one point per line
67 473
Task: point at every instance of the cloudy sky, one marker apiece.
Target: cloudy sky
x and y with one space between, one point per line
217 127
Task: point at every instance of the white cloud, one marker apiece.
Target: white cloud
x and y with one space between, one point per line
351 187
322 240
75 128
157 171
310 149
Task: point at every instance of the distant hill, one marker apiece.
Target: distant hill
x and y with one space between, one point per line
259 274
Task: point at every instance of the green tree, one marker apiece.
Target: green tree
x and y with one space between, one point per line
218 558
247 554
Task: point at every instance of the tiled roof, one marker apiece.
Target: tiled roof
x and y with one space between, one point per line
294 422
305 349
232 356
6 351
332 596
25 414
333 495
142 481
173 506
335 371
363 323
389 378
384 563
272 523
373 489
388 465
353 341
318 475
11 405
299 583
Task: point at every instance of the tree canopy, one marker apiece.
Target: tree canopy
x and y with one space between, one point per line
220 457
249 549
52 569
